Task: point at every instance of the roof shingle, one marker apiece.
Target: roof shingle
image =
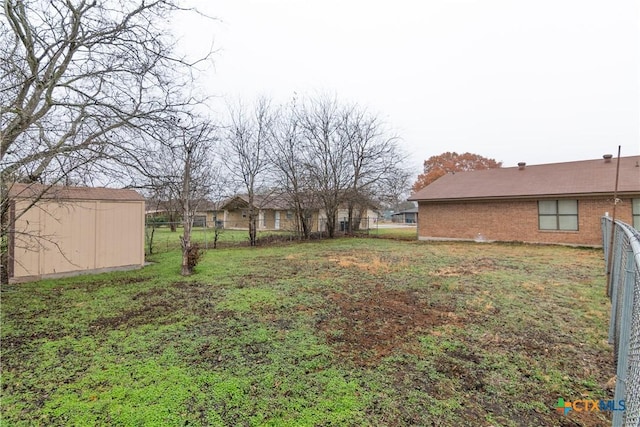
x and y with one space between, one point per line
585 177
30 191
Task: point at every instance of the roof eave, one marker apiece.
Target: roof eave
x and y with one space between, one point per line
527 196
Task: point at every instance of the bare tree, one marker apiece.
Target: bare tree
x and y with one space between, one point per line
374 161
393 190
326 157
246 143
77 78
341 154
182 165
290 174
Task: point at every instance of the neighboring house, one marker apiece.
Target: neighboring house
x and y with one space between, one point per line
549 203
386 215
368 219
273 211
72 230
409 216
206 215
276 213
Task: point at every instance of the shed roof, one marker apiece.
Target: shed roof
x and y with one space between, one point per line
587 177
30 191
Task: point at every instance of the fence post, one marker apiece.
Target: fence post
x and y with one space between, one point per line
623 274
627 297
614 291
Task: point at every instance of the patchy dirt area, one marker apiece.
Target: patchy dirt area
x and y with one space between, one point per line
367 329
159 305
374 265
465 269
366 323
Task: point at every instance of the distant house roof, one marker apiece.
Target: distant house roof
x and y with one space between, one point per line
406 211
275 201
588 177
31 191
154 206
207 205
272 201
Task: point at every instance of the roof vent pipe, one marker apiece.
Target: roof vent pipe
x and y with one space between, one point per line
607 158
521 165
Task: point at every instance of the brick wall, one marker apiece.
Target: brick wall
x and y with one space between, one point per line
514 221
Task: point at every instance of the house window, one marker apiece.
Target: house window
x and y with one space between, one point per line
199 221
244 214
289 215
558 215
636 213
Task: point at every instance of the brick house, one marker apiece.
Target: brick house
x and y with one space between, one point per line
275 212
549 203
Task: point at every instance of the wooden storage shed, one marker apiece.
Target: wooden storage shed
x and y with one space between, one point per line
61 231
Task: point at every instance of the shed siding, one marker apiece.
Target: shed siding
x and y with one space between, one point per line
514 220
116 226
65 237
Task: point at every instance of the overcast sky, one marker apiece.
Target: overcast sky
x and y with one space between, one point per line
537 81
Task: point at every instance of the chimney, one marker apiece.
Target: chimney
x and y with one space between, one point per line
607 158
521 165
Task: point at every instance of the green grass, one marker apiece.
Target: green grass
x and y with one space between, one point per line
403 232
164 240
354 332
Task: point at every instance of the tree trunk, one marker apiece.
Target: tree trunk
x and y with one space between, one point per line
187 269
252 228
173 221
186 249
4 235
150 237
303 227
306 227
363 214
349 226
331 224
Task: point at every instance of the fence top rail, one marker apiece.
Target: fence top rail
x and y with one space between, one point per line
631 234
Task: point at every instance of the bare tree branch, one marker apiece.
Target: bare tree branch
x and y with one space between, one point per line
81 84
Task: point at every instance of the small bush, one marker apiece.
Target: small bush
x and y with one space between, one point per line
193 256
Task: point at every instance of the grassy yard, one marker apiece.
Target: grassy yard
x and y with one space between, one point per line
405 232
349 332
165 240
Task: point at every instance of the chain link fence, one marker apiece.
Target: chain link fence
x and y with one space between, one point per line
622 255
164 236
